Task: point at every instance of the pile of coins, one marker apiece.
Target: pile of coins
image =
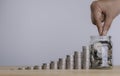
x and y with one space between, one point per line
97 55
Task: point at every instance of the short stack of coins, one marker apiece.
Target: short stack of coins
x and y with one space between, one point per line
60 64
44 66
52 65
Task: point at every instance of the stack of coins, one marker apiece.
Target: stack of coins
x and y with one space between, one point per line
36 67
82 60
76 62
60 64
85 57
28 68
71 61
44 66
67 62
52 65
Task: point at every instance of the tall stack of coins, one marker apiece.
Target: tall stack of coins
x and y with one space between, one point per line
71 62
85 57
82 60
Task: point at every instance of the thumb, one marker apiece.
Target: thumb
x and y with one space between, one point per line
107 25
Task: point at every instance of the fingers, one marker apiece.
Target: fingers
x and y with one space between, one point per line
102 14
97 16
107 25
93 9
102 25
97 20
99 26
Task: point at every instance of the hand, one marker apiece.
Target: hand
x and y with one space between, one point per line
103 12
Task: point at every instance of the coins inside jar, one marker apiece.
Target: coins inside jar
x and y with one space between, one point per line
101 54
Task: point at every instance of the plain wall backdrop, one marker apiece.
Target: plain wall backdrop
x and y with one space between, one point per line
36 31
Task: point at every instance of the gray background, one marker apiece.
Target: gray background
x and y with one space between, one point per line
37 31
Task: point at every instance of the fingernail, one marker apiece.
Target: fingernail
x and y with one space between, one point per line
100 31
104 32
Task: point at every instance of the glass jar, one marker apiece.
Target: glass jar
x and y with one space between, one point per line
100 52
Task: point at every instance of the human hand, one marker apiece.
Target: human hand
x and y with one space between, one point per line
103 12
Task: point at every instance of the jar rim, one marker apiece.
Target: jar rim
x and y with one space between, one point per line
97 36
100 37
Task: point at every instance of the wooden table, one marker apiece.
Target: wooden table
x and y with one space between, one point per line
112 72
